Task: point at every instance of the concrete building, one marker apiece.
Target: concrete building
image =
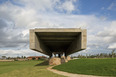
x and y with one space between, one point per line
60 41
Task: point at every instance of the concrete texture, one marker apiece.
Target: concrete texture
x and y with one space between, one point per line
55 61
68 58
58 40
58 61
63 59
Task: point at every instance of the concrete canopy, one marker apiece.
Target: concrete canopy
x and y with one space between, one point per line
66 40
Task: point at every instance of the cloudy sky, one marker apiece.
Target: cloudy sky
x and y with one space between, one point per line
18 16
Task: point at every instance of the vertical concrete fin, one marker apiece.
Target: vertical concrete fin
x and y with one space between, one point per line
75 46
84 39
40 46
37 44
32 39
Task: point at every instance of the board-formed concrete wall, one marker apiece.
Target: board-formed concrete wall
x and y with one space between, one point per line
58 40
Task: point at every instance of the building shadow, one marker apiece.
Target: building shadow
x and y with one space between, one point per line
43 63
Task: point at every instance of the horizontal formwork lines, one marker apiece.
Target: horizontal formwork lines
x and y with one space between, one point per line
57 34
58 30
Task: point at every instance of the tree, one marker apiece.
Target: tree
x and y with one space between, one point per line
113 53
3 57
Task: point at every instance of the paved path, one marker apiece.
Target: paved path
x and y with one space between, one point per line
69 74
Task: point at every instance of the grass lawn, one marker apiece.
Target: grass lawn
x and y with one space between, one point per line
25 69
100 67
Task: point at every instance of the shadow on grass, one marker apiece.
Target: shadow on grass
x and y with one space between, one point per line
43 63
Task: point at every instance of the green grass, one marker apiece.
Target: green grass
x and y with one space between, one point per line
25 69
100 67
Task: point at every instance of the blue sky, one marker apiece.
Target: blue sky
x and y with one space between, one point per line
18 16
99 8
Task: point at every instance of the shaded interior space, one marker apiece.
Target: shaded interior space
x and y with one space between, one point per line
58 42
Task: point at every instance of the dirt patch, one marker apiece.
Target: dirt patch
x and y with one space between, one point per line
70 74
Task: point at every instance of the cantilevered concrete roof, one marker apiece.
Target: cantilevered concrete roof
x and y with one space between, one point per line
68 40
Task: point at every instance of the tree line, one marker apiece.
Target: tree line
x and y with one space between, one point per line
101 55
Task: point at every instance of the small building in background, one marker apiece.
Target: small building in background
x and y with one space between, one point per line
36 57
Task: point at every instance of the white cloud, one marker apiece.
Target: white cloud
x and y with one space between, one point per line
109 33
25 32
15 53
112 46
41 5
112 6
68 6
